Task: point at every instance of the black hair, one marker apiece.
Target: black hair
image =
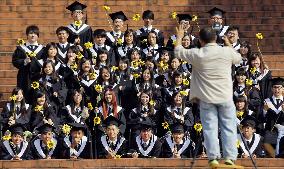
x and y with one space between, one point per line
32 29
62 28
148 14
207 34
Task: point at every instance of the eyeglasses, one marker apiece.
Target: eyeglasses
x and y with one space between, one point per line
216 18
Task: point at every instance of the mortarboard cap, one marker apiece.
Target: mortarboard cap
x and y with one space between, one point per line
216 11
110 120
17 129
185 17
277 81
249 121
45 128
76 6
146 124
118 15
177 128
77 127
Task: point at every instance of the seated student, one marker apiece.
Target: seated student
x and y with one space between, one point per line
146 144
76 145
44 146
62 45
16 111
78 28
23 55
253 140
112 145
16 148
273 112
242 108
115 38
148 18
177 145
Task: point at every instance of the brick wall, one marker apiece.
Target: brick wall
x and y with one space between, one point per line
251 15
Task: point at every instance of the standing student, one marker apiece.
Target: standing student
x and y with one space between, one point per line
116 36
23 56
211 85
62 33
148 19
78 28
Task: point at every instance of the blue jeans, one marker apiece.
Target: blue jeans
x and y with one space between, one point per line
213 117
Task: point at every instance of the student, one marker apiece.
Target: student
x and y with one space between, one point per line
112 145
245 51
273 107
183 19
116 36
16 111
233 36
151 50
148 18
177 145
22 57
253 140
78 28
146 144
17 148
76 145
45 145
62 33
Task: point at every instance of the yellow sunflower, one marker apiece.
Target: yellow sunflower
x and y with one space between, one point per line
174 15
136 75
92 76
13 98
114 68
238 143
106 8
50 144
98 88
38 108
259 36
117 156
185 82
152 102
165 125
183 93
174 42
249 82
119 41
198 127
35 85
253 70
6 137
74 67
78 23
79 55
66 129
194 18
20 42
97 120
136 17
31 54
240 114
90 106
88 45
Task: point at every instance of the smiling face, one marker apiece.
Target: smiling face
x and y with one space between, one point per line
241 79
71 56
147 75
103 57
77 15
146 134
185 41
248 131
62 36
17 139
255 63
129 38
45 137
52 52
152 38
112 132
178 99
178 137
108 96
240 105
48 69
19 96
77 97
135 56
122 65
277 90
175 63
145 99
105 74
118 24
41 100
86 66
233 36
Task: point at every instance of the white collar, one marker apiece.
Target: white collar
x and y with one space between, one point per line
149 27
116 33
274 98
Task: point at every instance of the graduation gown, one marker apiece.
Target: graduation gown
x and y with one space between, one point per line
22 118
67 116
84 31
93 53
8 151
23 76
120 147
255 146
111 38
152 150
173 115
185 150
62 52
81 151
151 51
121 52
143 32
40 151
36 68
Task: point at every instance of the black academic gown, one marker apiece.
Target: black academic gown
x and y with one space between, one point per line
36 67
40 151
67 116
84 31
185 150
255 146
120 147
112 38
21 118
152 150
8 151
143 32
82 151
92 53
62 52
173 115
23 77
